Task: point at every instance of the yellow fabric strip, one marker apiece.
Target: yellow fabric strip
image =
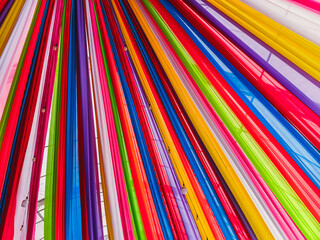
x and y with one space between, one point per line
101 165
297 49
195 207
9 22
227 171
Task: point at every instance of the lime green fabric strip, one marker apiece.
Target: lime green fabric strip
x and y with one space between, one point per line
15 81
51 172
280 187
133 202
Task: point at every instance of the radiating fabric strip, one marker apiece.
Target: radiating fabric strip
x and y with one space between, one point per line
184 209
298 147
300 51
167 193
193 159
175 153
293 212
170 206
152 223
298 19
276 143
8 20
94 220
107 140
300 117
119 172
191 133
13 48
310 4
167 7
73 228
253 194
180 19
171 74
158 103
15 96
148 135
21 212
96 169
61 160
291 77
82 180
302 185
100 123
23 128
3 4
138 173
50 188
5 10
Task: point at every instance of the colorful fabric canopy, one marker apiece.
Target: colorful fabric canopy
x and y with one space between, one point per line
159 119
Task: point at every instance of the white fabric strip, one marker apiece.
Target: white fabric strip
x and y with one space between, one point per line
298 19
24 183
13 48
106 151
246 181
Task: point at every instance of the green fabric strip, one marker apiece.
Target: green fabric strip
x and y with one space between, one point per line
51 173
15 81
133 202
280 187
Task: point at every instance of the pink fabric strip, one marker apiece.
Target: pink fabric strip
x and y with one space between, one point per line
115 152
312 5
45 114
278 212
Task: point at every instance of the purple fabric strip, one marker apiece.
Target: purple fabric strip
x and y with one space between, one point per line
5 11
185 212
90 158
302 85
222 181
